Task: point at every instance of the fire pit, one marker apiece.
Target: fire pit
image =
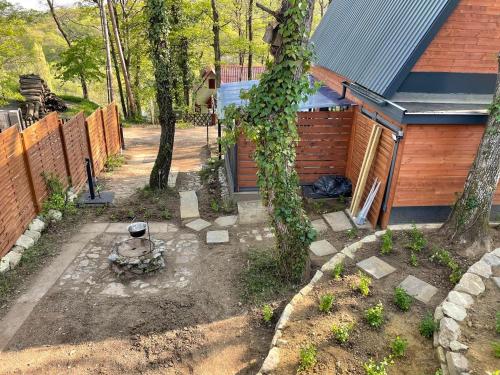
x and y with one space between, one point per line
137 256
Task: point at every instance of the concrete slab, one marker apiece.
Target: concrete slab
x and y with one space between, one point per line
189 205
159 227
322 248
226 221
198 224
120 228
338 221
252 212
217 236
94 228
320 226
418 289
172 179
376 267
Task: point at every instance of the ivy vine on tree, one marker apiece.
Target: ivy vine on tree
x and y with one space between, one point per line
269 121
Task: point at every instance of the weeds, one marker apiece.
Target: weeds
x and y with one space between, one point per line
166 214
495 345
338 270
377 368
438 372
399 346
402 299
326 303
308 358
375 315
413 260
363 285
113 162
352 233
428 326
341 332
58 196
387 244
267 313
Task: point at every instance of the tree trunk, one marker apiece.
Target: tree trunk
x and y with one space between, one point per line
128 87
105 35
118 78
158 34
469 218
186 75
83 82
216 44
250 38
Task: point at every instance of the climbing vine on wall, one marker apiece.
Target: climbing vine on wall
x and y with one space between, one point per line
270 122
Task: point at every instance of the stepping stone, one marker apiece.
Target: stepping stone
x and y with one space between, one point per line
189 205
172 179
117 228
418 289
338 221
217 236
226 221
198 224
252 212
376 267
322 248
320 226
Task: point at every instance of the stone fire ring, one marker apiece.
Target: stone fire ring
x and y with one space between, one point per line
137 256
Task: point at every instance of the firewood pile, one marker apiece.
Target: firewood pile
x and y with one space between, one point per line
39 99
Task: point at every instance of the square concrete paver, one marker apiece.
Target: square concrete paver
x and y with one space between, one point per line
376 267
252 212
322 248
418 289
189 205
320 226
198 224
226 221
338 221
217 236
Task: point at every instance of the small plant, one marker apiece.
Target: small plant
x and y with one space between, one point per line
375 315
363 285
444 258
399 346
308 358
341 332
113 162
495 345
438 372
377 368
402 299
498 322
352 233
326 303
214 205
417 240
267 313
387 244
166 214
338 270
456 273
428 326
413 260
58 195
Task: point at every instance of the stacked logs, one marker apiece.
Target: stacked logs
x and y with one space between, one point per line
39 99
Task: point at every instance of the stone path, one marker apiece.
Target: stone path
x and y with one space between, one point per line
189 205
418 289
338 221
376 267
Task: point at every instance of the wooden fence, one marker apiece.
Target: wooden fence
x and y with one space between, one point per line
49 146
322 149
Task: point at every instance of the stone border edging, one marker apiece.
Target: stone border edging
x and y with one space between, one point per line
273 358
453 310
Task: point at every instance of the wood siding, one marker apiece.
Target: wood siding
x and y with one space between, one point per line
435 162
322 149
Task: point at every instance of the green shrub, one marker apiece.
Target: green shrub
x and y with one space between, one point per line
428 326
444 258
338 270
456 273
375 315
363 285
377 368
308 358
399 346
113 162
402 299
326 303
496 348
387 244
58 196
498 322
267 313
352 233
166 214
341 332
417 240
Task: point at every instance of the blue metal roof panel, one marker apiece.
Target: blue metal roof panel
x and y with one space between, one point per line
374 42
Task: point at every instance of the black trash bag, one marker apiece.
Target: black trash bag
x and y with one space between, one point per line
332 187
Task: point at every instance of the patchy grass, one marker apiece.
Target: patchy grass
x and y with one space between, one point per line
77 104
114 162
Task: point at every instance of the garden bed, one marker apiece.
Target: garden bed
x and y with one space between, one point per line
312 329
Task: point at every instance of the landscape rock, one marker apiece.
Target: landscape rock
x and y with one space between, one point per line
449 331
18 249
457 363
470 283
271 362
226 221
318 275
4 265
54 215
217 236
33 234
491 259
285 316
481 268
306 290
13 259
497 281
380 233
198 224
37 225
461 299
441 355
330 265
438 313
369 239
25 242
454 311
457 346
351 250
496 252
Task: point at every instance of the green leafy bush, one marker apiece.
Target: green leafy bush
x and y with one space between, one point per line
113 162
326 303
267 313
417 241
375 315
399 346
387 242
428 326
402 299
338 270
308 358
58 196
377 368
341 332
496 348
363 285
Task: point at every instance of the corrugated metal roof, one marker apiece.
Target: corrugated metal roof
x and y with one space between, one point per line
376 42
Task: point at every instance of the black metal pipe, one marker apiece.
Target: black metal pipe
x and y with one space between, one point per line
89 178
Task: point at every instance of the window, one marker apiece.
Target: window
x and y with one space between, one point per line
211 83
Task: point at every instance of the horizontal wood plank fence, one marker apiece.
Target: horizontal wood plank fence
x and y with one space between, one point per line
50 146
322 149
